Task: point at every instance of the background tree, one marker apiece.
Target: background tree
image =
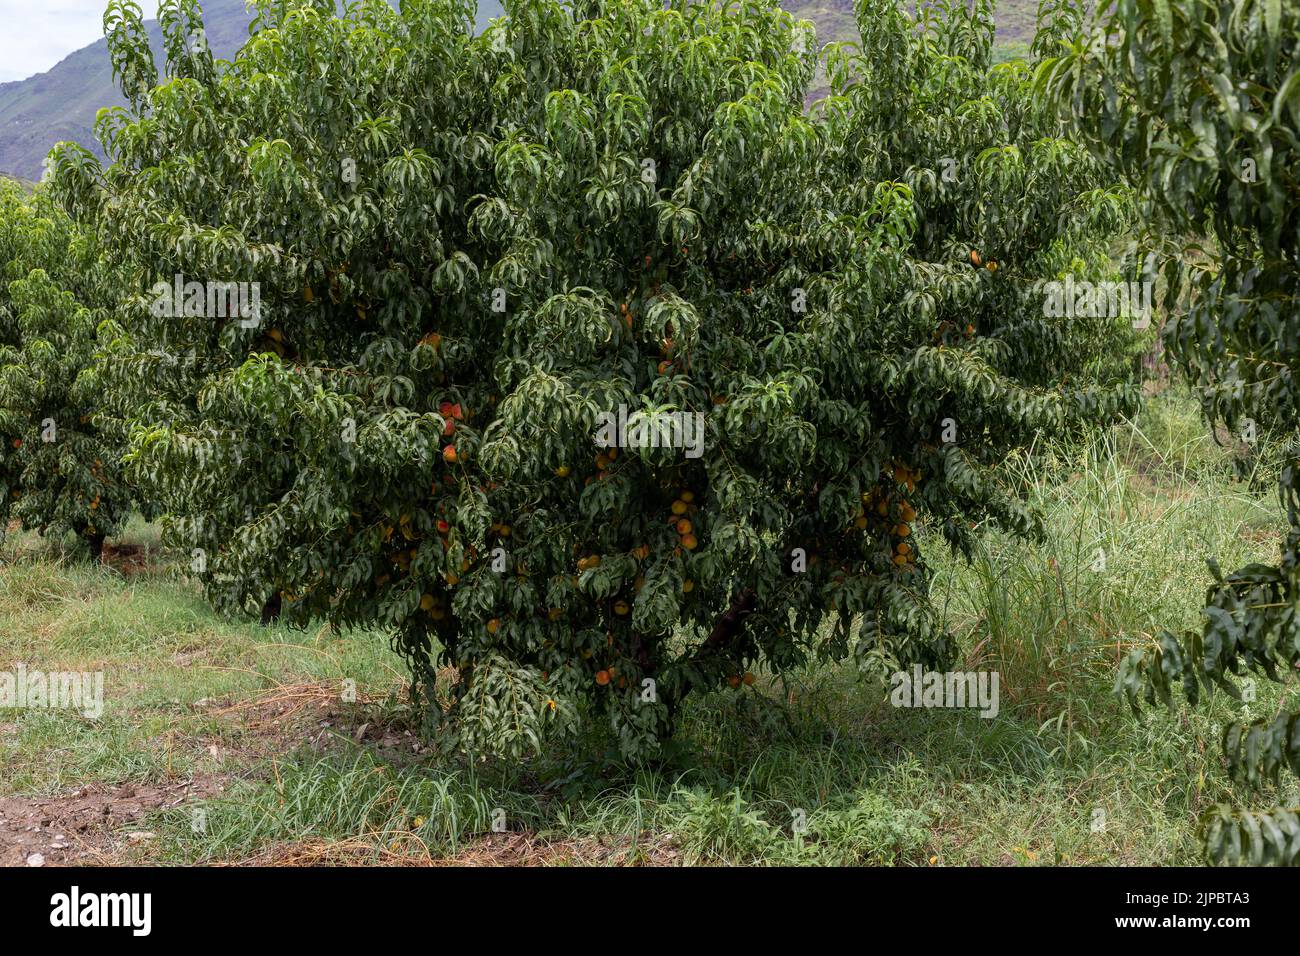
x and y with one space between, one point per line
58 472
1197 103
470 249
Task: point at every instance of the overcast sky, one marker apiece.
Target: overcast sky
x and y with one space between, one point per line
40 33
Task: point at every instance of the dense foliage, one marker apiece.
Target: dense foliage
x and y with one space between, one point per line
1198 104
58 471
468 250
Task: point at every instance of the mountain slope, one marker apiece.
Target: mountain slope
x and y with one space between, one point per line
61 104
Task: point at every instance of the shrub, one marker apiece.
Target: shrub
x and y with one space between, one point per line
471 250
58 470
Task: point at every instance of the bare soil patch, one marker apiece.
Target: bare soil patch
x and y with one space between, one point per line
86 826
128 559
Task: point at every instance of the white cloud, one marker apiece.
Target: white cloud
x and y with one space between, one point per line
40 33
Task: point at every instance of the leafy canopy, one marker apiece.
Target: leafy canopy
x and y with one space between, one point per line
470 250
58 471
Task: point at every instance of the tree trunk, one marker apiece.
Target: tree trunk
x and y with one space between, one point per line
730 625
271 609
96 544
727 631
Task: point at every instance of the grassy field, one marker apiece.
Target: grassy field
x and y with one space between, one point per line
223 742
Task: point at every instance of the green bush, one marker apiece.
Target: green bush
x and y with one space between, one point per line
471 250
59 470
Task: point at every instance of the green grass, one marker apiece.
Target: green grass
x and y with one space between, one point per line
161 649
824 772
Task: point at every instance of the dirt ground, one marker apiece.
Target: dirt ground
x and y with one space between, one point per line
90 826
100 825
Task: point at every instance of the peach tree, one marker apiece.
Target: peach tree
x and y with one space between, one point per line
1197 103
58 469
587 360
